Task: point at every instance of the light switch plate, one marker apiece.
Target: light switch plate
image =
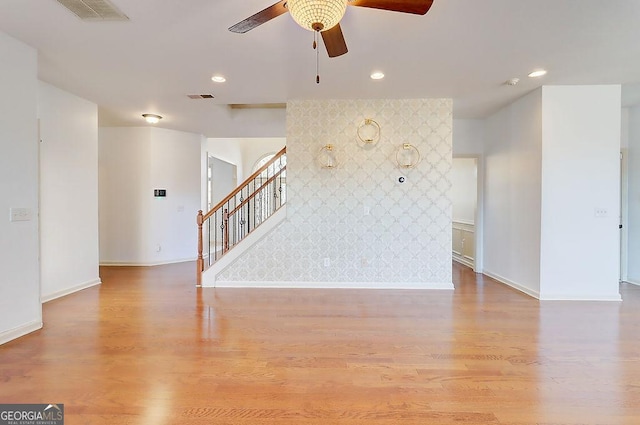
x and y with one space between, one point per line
600 212
20 214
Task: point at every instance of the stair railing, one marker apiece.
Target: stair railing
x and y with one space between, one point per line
238 214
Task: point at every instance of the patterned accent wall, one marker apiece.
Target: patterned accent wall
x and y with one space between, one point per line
374 231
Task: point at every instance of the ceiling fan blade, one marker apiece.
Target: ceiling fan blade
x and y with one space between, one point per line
418 7
260 18
334 41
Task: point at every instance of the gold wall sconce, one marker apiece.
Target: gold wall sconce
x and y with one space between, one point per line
327 157
407 156
369 132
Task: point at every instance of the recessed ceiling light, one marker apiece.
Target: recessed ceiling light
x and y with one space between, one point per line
377 75
152 118
538 73
218 79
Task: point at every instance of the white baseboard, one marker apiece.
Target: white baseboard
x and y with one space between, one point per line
553 297
67 291
580 297
335 285
463 261
161 263
512 284
12 334
632 282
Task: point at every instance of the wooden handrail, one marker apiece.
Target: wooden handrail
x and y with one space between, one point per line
244 183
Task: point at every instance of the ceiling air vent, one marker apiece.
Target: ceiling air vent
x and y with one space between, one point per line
200 96
94 10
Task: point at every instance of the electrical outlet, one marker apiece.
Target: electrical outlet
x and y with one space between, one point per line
327 262
158 248
367 210
364 262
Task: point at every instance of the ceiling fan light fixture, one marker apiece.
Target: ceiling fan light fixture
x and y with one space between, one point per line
152 118
317 15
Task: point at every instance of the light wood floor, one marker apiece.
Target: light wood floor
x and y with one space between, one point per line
146 347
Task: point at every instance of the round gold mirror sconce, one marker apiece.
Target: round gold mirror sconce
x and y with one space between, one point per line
369 132
407 156
327 157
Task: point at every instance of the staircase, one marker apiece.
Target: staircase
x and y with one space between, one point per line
241 212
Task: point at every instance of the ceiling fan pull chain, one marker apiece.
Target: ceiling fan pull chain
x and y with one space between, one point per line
315 38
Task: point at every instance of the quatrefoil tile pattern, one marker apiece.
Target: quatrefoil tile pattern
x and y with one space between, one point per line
404 240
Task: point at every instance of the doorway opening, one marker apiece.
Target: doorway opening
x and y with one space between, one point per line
222 179
466 196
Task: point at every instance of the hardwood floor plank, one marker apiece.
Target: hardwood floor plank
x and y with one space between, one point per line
147 347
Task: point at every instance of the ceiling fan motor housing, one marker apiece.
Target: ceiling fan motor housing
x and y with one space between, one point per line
315 15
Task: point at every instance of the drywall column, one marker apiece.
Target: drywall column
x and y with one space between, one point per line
579 248
68 192
633 230
20 307
512 194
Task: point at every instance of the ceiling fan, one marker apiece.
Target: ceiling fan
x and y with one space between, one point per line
323 16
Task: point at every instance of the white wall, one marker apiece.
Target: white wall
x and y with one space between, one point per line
580 254
464 190
405 238
20 307
468 137
254 149
68 195
624 135
512 195
229 150
124 199
624 195
135 227
633 250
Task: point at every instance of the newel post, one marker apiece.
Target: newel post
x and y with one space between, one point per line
200 262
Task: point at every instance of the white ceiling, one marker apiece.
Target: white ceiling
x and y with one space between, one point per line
463 49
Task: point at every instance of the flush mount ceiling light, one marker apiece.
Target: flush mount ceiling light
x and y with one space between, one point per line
316 15
152 118
377 75
538 73
218 79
